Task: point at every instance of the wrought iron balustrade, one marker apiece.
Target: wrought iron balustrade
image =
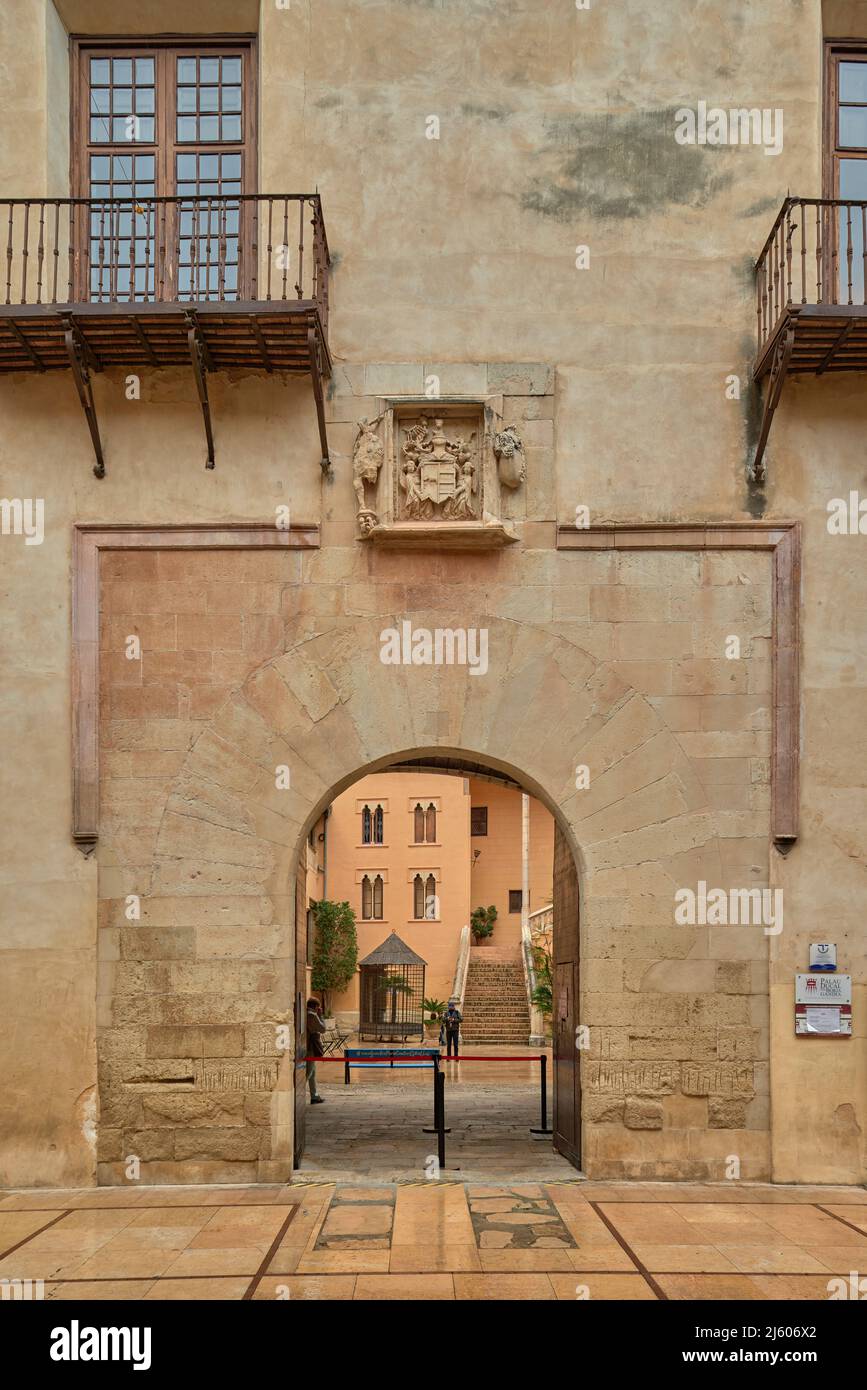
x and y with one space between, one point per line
213 281
811 297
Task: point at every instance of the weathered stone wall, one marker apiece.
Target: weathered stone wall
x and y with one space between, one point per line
556 132
193 1081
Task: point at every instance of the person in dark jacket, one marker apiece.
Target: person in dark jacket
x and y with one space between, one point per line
452 1020
315 1029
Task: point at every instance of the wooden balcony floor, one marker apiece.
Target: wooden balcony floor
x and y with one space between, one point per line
261 334
827 338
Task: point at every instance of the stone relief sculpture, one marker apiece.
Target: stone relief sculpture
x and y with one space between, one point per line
438 475
509 453
367 458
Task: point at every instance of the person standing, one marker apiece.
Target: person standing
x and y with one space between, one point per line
315 1029
452 1020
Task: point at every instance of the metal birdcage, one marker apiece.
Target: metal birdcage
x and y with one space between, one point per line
391 992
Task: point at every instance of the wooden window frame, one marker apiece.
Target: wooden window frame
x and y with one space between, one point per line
478 834
165 49
836 51
519 894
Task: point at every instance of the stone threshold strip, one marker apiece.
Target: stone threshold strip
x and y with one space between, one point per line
783 540
89 541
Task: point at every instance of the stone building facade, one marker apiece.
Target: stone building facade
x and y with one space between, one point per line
518 238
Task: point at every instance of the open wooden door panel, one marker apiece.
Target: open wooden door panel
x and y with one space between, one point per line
567 1075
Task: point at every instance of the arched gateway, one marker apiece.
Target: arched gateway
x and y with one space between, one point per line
197 1067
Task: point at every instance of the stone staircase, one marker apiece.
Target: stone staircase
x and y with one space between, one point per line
495 998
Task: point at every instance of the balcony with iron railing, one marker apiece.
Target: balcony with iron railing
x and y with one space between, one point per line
811 297
210 282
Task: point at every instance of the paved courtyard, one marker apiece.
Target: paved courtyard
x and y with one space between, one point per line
374 1128
434 1240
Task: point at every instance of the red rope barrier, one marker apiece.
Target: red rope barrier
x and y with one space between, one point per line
423 1057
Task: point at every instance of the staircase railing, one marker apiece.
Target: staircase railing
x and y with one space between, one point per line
537 1018
461 968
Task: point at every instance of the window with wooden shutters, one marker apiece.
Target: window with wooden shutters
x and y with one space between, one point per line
431 901
378 821
366 899
377 897
418 824
430 824
366 826
155 121
479 820
418 898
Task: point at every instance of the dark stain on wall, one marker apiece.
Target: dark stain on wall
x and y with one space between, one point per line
755 501
621 166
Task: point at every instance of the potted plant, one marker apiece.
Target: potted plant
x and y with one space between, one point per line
482 921
433 1015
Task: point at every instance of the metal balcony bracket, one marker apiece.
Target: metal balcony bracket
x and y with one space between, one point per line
835 347
316 374
81 361
200 358
776 381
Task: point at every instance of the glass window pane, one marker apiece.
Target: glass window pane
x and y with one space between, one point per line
146 129
231 127
209 99
122 190
122 72
122 101
100 71
209 166
119 128
121 166
144 166
209 127
144 99
99 100
186 166
231 98
100 190
100 166
144 71
231 166
187 70
208 190
853 126
853 178
853 81
99 132
186 98
209 70
231 69
186 127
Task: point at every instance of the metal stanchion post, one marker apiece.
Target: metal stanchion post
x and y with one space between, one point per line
440 1083
544 1098
435 1127
346 1071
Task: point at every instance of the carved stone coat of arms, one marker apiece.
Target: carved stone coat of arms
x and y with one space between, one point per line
438 472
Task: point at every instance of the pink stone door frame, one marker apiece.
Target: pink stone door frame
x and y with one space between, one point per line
781 538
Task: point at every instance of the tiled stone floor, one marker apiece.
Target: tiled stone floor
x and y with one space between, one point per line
374 1128
435 1240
